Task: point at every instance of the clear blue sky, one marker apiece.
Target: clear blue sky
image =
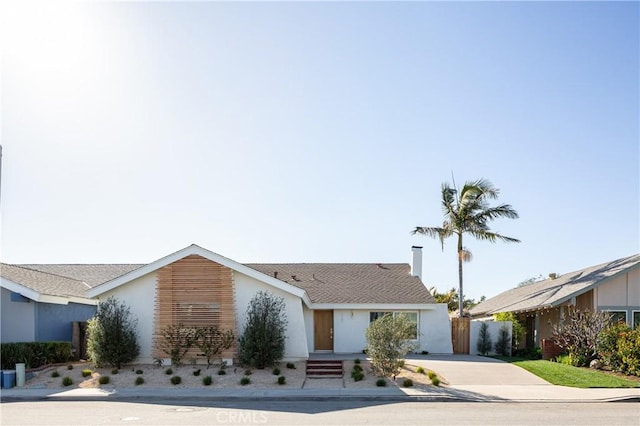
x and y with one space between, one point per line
320 132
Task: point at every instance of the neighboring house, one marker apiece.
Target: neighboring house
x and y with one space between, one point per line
328 306
613 287
41 306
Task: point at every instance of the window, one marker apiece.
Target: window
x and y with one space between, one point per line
618 316
636 319
198 314
411 316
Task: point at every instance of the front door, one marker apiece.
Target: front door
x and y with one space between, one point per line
323 330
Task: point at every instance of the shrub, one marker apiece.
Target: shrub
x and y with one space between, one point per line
176 380
431 375
262 342
577 333
291 366
435 381
247 372
55 374
276 371
67 381
357 367
518 330
357 376
619 348
245 380
388 340
357 361
212 341
70 367
196 372
86 373
282 380
222 372
407 383
207 380
112 338
114 371
103 380
484 344
503 345
139 381
139 372
420 370
176 340
34 354
381 382
168 371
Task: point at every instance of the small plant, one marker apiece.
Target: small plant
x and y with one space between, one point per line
103 380
420 370
86 373
381 382
282 380
485 343
247 372
357 361
357 376
407 383
176 380
431 375
114 371
67 381
168 371
357 367
139 372
276 371
222 372
139 381
245 380
435 381
291 366
55 374
196 372
207 380
70 367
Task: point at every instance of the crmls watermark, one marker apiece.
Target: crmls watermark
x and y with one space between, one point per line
241 417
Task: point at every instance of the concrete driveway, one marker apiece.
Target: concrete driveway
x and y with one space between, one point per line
475 370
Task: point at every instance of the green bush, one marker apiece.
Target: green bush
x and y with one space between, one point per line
176 380
212 341
111 335
222 372
70 367
86 373
139 381
619 348
103 380
55 374
420 370
176 340
282 380
114 371
34 354
168 371
262 342
291 366
484 343
196 372
431 375
357 367
247 372
357 361
245 380
276 371
357 376
435 381
207 380
389 338
67 381
381 382
503 344
407 383
139 372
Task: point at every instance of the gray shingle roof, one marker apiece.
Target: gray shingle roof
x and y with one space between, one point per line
351 282
323 282
44 283
552 292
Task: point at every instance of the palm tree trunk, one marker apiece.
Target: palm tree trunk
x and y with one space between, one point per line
460 293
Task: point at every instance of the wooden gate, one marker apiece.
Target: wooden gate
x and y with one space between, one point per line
460 335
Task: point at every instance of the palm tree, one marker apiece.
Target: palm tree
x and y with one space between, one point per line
468 212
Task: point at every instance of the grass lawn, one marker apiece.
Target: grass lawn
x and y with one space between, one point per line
567 375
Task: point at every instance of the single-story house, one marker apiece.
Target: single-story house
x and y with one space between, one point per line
328 306
613 287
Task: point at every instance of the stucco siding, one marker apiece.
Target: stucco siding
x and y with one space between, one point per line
308 326
18 319
435 330
613 292
634 287
494 333
54 321
296 346
139 295
349 327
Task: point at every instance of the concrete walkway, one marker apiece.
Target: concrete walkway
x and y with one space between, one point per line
470 378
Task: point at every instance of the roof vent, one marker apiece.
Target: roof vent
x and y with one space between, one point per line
275 274
553 276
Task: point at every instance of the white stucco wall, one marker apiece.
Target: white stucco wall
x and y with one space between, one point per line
18 319
140 295
634 287
296 346
613 292
308 326
435 330
494 332
349 328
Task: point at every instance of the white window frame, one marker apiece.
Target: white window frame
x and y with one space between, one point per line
394 313
626 313
633 322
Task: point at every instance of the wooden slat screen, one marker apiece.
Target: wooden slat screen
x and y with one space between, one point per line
196 292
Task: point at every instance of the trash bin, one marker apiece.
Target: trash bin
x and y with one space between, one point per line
8 379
